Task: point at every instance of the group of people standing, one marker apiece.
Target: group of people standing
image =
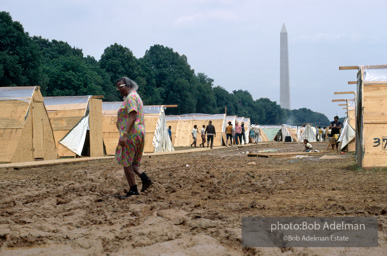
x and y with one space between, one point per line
235 134
208 131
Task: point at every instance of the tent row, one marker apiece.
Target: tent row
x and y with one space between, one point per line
33 127
182 125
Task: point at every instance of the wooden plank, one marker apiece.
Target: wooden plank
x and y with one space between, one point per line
12 114
338 100
37 112
280 154
348 67
342 104
150 127
23 152
64 123
97 97
352 82
9 138
348 92
62 151
171 106
95 126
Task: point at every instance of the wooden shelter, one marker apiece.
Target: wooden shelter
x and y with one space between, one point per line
156 134
25 129
182 127
77 125
371 118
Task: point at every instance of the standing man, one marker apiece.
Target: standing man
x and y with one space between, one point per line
323 133
211 133
170 132
203 135
256 138
243 133
229 129
252 135
335 132
194 135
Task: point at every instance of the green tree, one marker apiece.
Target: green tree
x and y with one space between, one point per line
206 102
174 79
19 55
224 99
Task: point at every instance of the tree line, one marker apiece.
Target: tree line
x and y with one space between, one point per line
163 75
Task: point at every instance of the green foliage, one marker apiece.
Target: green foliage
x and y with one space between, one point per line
163 76
19 55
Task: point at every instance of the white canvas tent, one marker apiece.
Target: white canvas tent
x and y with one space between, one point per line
77 124
309 133
156 133
288 130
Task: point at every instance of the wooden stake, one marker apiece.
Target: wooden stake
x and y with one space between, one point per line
348 67
350 92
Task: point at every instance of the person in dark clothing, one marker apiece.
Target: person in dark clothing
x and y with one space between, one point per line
335 127
211 133
243 133
170 132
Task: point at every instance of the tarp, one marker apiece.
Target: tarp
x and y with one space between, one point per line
271 131
161 140
375 74
347 134
75 139
309 133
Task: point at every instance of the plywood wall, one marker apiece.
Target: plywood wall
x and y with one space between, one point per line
352 123
374 132
62 122
12 121
95 125
111 135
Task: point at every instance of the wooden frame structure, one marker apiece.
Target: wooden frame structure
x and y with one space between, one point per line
67 113
156 134
371 118
182 126
25 129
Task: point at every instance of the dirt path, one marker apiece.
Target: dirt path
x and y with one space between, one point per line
194 208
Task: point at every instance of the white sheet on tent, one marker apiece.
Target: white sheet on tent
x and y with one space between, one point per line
347 134
161 140
17 92
75 139
375 74
309 134
257 130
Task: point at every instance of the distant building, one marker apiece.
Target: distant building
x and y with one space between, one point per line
284 69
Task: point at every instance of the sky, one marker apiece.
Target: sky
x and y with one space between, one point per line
234 42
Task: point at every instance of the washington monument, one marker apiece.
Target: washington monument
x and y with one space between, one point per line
284 69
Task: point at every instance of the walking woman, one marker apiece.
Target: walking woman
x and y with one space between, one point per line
131 127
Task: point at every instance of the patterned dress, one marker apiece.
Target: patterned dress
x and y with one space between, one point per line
131 153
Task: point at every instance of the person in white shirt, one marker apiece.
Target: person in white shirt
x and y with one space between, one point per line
194 135
308 146
203 134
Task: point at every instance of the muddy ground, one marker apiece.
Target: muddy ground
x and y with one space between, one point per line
194 207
